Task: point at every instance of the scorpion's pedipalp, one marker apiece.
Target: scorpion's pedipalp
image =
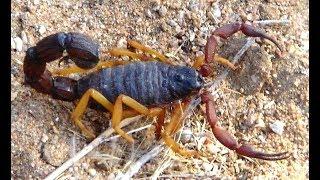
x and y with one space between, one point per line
225 32
229 29
225 138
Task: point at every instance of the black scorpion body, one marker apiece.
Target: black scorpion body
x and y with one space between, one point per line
150 83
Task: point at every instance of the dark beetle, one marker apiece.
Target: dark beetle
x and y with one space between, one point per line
140 84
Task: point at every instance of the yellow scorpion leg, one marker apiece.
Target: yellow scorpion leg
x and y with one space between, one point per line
145 49
172 127
117 114
76 69
200 61
82 105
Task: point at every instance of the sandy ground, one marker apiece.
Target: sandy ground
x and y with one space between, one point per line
265 91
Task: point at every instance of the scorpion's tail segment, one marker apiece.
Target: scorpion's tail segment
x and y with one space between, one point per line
227 140
82 50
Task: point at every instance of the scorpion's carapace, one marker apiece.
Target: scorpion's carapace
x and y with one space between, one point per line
147 88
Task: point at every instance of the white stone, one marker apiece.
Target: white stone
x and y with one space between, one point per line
172 23
207 166
24 37
42 29
18 43
163 11
13 44
92 172
216 11
277 127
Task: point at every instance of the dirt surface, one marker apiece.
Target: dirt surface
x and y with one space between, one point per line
265 94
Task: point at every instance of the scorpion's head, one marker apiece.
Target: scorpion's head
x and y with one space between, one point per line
185 81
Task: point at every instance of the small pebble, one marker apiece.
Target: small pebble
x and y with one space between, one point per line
111 176
13 95
277 127
44 138
36 2
42 29
260 123
92 172
207 166
24 37
213 149
18 43
162 11
216 11
186 136
122 43
192 36
172 23
148 13
13 44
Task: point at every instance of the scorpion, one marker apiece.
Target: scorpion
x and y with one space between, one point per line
148 87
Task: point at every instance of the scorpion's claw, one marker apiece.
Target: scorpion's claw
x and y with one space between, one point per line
246 150
225 138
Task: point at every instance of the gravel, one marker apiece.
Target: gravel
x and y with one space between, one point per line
252 102
18 44
277 127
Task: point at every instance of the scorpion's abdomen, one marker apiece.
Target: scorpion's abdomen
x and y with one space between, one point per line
146 82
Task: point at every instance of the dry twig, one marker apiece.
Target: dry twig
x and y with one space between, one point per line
96 142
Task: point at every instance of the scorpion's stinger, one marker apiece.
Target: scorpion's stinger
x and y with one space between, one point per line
227 140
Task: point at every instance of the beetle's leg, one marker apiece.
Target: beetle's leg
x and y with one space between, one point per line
76 69
117 114
82 105
199 61
227 140
147 50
